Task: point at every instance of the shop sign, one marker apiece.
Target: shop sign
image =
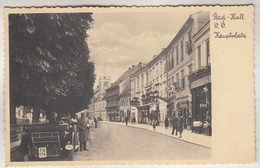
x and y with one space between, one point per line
204 105
133 109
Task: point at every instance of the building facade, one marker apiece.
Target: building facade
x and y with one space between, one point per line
98 103
177 81
180 63
112 99
118 96
200 80
148 90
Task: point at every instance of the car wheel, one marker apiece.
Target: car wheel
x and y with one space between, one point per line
70 155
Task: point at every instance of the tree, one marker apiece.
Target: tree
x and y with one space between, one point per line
49 62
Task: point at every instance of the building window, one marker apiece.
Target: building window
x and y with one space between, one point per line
177 80
189 44
168 58
150 76
190 69
134 86
142 81
177 55
208 52
182 79
157 69
172 55
199 56
138 83
181 50
147 78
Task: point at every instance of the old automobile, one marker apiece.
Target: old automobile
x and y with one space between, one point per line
43 141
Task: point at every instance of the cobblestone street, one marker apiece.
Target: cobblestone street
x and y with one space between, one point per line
119 142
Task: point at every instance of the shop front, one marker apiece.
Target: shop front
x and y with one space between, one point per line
143 114
183 110
134 114
170 107
113 114
201 101
122 115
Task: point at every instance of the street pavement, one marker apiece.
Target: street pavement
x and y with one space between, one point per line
120 142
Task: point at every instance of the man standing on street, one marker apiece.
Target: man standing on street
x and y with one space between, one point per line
95 121
166 123
180 125
83 125
174 124
126 120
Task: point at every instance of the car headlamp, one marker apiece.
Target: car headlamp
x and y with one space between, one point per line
69 147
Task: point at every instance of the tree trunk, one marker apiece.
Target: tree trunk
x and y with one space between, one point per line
36 115
12 114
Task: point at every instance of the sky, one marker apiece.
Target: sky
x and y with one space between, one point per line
119 40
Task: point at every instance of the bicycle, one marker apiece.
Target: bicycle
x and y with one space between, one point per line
99 125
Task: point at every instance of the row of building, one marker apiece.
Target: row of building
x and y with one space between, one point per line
177 81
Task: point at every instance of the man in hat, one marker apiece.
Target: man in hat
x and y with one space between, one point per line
174 124
83 125
180 125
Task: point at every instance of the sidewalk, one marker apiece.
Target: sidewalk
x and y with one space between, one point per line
188 136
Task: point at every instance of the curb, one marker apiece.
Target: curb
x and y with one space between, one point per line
161 134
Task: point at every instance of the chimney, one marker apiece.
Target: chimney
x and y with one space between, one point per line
129 68
154 56
133 66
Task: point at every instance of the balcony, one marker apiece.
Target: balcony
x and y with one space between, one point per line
203 71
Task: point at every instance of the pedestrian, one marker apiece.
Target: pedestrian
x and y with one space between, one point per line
134 120
126 120
83 125
95 121
54 118
180 125
188 121
207 124
154 124
166 123
174 124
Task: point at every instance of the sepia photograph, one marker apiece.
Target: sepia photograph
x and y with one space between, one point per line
140 85
128 86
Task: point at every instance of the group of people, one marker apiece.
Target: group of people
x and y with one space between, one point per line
127 119
82 125
177 124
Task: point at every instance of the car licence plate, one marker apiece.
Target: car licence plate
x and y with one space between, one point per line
42 152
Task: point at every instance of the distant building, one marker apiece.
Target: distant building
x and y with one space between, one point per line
150 79
98 103
118 96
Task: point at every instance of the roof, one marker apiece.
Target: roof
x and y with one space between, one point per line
126 91
126 74
202 18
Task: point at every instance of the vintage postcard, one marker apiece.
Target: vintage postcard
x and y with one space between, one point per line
129 85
